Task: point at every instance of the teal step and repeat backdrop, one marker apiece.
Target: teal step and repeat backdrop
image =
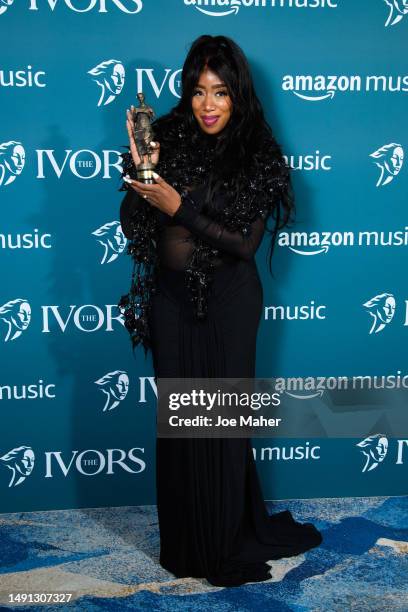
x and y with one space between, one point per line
77 408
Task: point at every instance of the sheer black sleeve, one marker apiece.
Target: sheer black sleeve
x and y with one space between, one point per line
126 214
128 210
216 235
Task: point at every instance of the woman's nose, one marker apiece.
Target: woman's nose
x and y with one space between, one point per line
208 103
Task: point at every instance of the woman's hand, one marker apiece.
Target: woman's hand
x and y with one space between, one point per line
161 195
132 143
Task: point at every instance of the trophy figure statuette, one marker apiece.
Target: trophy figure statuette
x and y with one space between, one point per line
143 115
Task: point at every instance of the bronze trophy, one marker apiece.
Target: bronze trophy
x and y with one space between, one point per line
143 115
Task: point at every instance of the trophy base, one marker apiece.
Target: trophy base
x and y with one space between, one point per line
145 175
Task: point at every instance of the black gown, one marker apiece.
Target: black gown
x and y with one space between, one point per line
212 516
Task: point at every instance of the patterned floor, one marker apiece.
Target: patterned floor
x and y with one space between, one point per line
108 559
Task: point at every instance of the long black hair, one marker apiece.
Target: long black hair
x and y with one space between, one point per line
247 138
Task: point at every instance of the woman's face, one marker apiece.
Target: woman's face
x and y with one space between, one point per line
381 449
119 239
17 159
211 100
27 463
22 319
117 79
387 312
397 158
119 391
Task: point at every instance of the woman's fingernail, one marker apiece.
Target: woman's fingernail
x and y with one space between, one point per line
153 143
155 175
127 180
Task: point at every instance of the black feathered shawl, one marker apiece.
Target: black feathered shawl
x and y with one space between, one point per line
188 158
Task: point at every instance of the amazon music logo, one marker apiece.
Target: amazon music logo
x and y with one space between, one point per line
28 240
313 161
223 8
319 243
296 312
39 390
302 452
22 78
317 88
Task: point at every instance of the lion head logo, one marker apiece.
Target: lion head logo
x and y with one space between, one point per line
398 8
12 160
20 461
110 76
389 159
115 385
4 4
17 315
112 239
374 448
382 309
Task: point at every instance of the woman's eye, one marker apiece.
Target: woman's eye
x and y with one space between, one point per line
224 93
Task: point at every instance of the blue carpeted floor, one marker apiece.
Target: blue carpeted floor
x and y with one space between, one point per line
108 559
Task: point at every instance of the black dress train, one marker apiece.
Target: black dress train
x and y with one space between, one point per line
212 516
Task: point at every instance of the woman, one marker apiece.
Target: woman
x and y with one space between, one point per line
196 302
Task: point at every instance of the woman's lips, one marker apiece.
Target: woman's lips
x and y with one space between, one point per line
210 120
